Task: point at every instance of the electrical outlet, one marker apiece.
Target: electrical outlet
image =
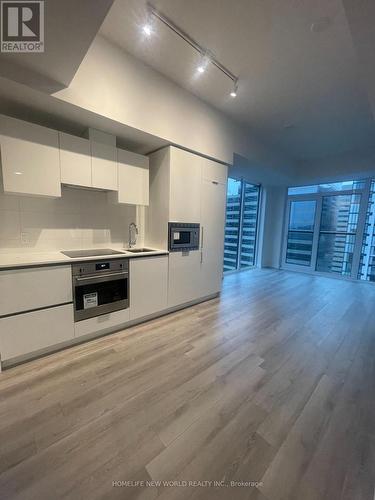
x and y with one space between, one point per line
25 237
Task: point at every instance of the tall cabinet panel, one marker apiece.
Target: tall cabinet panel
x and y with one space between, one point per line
212 240
194 191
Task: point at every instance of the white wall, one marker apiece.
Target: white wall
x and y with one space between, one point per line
114 84
80 219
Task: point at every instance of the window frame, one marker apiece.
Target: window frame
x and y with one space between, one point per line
365 193
240 232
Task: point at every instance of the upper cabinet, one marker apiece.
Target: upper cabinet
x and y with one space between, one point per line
97 163
133 178
88 163
75 160
214 172
185 186
29 158
104 166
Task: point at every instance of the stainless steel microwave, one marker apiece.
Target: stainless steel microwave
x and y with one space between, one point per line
183 236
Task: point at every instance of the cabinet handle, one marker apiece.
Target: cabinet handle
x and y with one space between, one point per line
202 237
215 182
201 256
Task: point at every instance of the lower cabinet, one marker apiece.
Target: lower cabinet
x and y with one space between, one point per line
184 277
26 333
148 285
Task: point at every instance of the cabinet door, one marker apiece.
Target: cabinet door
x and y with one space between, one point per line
133 178
212 236
26 333
104 166
185 186
214 171
29 158
75 160
184 281
148 285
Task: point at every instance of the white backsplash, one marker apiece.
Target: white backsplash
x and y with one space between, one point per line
79 219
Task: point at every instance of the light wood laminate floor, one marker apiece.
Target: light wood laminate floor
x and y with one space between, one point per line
272 383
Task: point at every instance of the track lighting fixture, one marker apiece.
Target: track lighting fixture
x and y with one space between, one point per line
205 60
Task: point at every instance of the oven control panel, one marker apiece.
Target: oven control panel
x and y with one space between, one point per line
100 266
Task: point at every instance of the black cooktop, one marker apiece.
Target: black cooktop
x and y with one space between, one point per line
97 252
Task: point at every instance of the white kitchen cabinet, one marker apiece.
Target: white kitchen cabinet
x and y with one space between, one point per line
26 333
29 158
214 171
75 160
133 178
104 166
185 186
33 288
148 285
212 236
184 281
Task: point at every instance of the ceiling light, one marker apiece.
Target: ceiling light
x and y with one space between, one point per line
205 59
147 30
234 90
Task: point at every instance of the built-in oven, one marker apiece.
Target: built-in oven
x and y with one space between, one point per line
100 287
183 236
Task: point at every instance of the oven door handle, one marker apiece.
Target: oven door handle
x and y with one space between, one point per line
100 276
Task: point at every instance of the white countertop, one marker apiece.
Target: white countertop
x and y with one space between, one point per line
30 259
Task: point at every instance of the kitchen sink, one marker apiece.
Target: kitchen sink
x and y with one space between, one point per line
140 250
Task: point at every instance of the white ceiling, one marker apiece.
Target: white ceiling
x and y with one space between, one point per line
301 90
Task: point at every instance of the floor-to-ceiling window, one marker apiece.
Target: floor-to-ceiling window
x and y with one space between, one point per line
300 232
330 228
367 261
241 225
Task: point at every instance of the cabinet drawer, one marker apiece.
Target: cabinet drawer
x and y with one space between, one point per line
29 332
101 323
33 288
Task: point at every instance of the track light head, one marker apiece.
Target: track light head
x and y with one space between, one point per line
234 90
203 63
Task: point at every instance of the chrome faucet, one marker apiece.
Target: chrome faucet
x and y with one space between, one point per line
133 237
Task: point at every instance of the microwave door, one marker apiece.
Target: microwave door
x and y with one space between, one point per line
181 237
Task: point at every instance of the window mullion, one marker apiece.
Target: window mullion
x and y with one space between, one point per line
365 197
239 246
